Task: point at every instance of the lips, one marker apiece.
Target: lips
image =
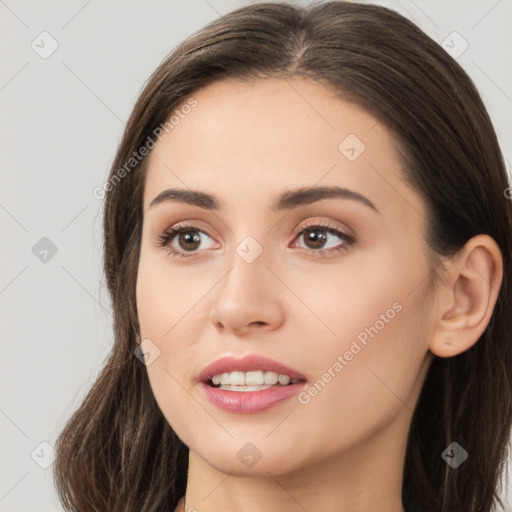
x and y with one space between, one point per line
248 363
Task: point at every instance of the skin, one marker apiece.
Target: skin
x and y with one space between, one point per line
245 143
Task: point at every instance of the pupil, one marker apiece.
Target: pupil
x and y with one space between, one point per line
318 241
189 237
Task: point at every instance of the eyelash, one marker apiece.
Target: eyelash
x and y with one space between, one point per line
169 234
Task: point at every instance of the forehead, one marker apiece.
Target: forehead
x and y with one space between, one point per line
250 139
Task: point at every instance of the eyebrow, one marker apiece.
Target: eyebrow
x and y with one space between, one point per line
287 200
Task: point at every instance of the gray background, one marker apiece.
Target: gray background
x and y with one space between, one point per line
62 118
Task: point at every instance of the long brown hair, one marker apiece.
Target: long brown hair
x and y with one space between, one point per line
117 453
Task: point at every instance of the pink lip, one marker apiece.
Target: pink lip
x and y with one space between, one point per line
247 364
249 401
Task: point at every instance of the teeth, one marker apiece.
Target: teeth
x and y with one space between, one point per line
244 388
258 378
235 379
284 380
255 378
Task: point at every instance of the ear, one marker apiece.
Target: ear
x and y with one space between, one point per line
466 298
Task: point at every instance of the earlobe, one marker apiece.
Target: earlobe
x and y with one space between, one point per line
467 297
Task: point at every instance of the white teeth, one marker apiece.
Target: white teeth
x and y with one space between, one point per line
236 379
284 380
254 378
244 388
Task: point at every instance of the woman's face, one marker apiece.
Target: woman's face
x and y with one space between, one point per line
345 305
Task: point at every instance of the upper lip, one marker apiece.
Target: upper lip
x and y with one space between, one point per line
248 363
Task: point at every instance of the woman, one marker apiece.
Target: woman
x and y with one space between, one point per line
308 247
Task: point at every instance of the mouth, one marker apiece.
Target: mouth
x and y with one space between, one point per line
258 380
250 371
251 384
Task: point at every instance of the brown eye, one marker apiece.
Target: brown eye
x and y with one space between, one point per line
313 239
189 240
317 236
181 240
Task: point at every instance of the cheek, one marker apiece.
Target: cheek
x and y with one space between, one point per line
169 374
361 296
167 317
173 397
164 294
368 359
360 388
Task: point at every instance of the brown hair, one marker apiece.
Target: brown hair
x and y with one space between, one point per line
117 452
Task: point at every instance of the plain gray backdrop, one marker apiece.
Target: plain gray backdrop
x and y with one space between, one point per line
71 72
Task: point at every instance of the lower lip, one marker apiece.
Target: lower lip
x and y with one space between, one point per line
250 401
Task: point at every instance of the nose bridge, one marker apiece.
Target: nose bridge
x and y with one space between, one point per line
245 295
248 269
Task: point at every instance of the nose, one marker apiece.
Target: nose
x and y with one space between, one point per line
247 298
